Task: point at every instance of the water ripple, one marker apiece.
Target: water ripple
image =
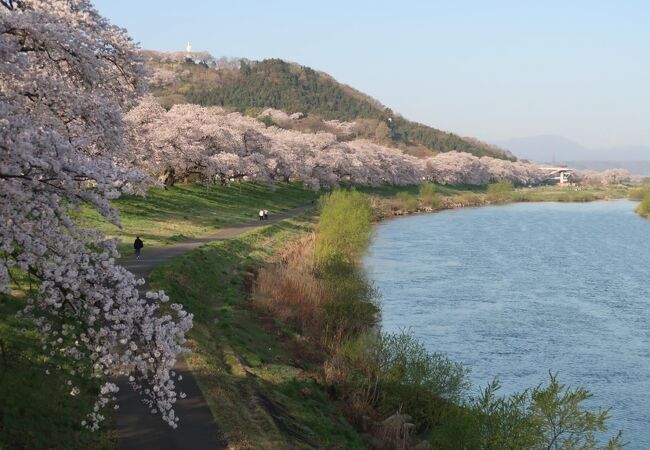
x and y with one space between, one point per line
517 290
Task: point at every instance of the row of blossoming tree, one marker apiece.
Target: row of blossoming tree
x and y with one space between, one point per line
66 75
210 144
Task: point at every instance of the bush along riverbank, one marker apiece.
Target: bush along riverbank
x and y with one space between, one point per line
642 195
430 197
394 391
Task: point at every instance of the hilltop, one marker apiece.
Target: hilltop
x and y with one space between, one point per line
251 87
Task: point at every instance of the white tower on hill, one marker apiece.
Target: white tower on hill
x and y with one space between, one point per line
188 49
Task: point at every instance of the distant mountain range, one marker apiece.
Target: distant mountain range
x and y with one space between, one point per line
560 150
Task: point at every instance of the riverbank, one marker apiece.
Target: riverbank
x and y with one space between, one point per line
394 391
264 379
644 206
255 372
430 198
524 288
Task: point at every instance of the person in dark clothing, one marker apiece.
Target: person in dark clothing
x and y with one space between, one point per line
266 214
137 245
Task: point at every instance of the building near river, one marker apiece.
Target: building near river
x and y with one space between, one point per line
559 175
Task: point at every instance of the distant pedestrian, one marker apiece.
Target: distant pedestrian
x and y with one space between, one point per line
137 245
266 214
261 214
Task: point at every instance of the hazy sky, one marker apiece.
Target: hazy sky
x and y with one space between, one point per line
489 69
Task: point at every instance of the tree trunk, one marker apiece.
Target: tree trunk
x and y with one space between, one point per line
167 178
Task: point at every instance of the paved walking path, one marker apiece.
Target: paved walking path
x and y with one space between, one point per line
137 428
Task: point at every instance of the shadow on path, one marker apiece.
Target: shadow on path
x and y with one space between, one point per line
137 427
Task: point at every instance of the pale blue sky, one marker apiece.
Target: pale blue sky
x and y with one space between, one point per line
489 69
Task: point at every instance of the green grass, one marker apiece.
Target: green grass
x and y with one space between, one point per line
644 207
568 194
36 409
261 390
535 194
184 211
392 191
165 216
259 386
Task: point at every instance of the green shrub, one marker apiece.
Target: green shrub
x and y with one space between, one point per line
578 197
500 191
544 417
644 206
396 372
637 194
469 199
409 202
351 308
344 229
429 196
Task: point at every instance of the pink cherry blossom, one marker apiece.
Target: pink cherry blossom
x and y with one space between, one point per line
66 75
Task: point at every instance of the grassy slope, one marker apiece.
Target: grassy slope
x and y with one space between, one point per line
253 377
244 369
182 211
259 394
36 409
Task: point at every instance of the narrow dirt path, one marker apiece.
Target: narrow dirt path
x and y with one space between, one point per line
136 427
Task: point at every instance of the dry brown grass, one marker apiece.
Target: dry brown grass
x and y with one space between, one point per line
289 290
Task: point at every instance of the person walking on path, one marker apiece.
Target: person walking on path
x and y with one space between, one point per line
137 245
266 214
261 214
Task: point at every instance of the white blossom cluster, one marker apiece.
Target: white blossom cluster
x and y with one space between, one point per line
65 75
464 168
211 144
609 176
207 142
160 76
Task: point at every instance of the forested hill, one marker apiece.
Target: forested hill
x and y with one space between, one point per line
251 86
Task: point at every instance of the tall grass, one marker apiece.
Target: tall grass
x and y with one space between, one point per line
390 372
317 286
290 291
429 196
637 194
644 206
344 228
500 192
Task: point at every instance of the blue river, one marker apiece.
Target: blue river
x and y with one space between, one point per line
515 291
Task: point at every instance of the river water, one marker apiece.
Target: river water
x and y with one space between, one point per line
513 291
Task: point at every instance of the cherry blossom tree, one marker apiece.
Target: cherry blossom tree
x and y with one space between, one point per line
209 143
615 176
212 144
456 168
161 76
65 75
518 172
609 176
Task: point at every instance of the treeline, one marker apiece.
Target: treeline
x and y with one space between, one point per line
210 144
293 88
394 390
